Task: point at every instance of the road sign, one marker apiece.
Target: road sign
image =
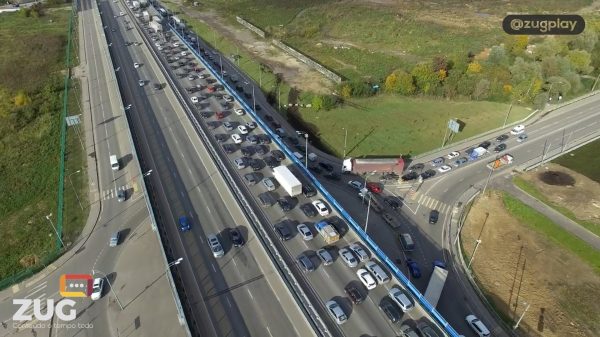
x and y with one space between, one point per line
453 125
73 120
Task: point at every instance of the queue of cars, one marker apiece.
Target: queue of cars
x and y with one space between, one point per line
254 148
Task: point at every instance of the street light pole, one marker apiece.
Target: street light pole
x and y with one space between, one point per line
520 318
173 263
368 209
345 139
110 286
55 231
74 191
508 113
473 256
306 150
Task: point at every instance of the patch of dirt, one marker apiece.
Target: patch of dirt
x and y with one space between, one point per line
556 178
517 267
294 72
582 197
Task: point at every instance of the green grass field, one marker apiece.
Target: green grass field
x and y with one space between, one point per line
32 59
585 160
392 125
530 188
545 226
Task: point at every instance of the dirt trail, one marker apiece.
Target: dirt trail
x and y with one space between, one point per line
295 73
517 267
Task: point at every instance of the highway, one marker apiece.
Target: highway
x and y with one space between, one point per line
91 254
240 294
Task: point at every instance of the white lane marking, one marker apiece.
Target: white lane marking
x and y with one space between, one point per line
421 198
250 294
213 267
434 205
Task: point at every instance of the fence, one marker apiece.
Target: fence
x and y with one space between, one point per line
372 245
310 62
250 26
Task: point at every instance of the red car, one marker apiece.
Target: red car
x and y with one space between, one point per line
374 187
210 88
220 115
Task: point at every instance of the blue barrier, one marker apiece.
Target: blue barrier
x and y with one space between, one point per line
359 231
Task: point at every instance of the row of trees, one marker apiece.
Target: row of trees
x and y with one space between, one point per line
518 70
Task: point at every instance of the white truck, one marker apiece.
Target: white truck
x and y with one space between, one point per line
135 5
328 232
145 16
436 285
114 163
156 26
287 180
506 159
477 152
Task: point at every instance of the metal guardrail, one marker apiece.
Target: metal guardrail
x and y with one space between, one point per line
275 256
372 245
178 306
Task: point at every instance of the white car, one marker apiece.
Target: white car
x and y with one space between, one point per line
359 251
183 53
355 184
321 208
336 312
366 278
97 287
121 13
236 138
141 83
401 299
175 44
194 99
239 112
136 65
228 98
303 229
518 129
215 245
242 129
444 168
477 326
157 44
453 155
348 257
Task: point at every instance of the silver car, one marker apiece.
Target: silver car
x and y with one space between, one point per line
269 184
325 256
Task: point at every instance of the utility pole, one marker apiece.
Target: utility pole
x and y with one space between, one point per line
521 317
508 113
345 139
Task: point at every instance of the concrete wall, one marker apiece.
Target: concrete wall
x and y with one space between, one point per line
298 55
250 26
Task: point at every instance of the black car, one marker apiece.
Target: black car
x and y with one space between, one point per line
485 144
256 164
157 86
389 308
247 151
500 147
418 166
213 125
285 203
501 138
261 150
283 231
309 210
326 167
229 148
410 176
434 216
236 237
275 125
428 174
268 118
205 114
300 148
271 162
293 140
470 150
333 176
251 178
264 139
252 139
356 295
278 155
394 204
315 169
221 137
308 190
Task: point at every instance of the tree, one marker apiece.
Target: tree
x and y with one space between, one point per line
405 84
555 66
346 91
361 89
474 68
425 78
516 44
481 89
587 40
497 56
390 82
550 47
21 99
580 61
317 102
522 70
439 63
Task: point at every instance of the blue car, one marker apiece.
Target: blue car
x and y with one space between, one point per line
413 267
184 225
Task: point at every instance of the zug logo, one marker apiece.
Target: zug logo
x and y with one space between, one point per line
59 308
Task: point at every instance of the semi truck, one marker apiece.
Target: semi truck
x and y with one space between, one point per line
328 232
368 165
477 152
506 159
436 285
287 180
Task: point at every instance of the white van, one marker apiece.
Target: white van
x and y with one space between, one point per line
518 129
312 157
114 163
378 272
